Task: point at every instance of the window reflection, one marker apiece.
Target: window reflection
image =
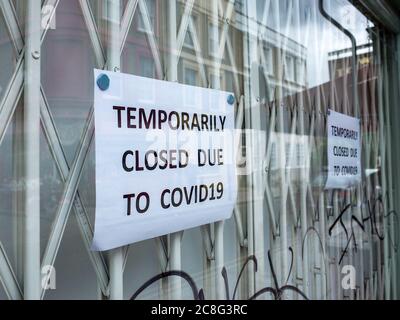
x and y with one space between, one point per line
286 65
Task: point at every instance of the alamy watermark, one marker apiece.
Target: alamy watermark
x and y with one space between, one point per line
48 277
349 277
48 17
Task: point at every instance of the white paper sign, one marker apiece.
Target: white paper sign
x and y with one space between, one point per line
344 151
165 158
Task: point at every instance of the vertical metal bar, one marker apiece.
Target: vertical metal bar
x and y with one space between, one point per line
334 287
375 254
389 195
32 151
366 154
283 194
281 151
172 69
219 259
385 178
304 179
113 17
395 132
324 262
303 208
237 210
216 36
367 157
242 252
172 75
267 164
256 146
175 264
382 145
218 226
115 256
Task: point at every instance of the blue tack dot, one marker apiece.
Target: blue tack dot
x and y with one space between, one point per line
103 82
231 99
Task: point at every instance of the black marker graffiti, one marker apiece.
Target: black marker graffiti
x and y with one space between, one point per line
198 294
352 236
277 292
375 213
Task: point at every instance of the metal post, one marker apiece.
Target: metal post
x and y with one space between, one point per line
382 146
304 171
115 256
281 152
256 146
31 245
389 197
172 75
218 226
396 94
219 259
303 209
385 178
172 69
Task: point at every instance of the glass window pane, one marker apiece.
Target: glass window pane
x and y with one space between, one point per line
288 66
